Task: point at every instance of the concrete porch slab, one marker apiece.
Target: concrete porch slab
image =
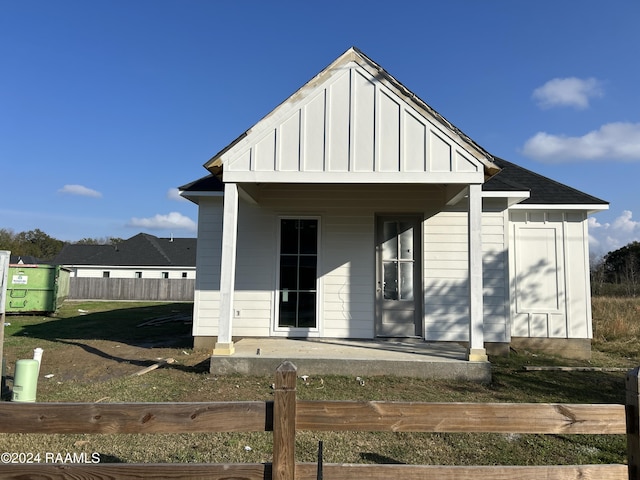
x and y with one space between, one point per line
261 356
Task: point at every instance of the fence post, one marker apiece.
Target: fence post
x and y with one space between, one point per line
284 422
632 412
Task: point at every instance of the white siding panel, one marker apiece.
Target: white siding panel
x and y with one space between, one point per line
440 154
463 163
363 121
264 153
388 137
314 134
550 265
338 124
209 249
446 307
578 286
289 144
414 151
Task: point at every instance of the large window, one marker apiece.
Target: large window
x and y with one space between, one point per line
298 273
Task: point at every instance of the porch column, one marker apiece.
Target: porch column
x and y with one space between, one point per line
224 345
477 352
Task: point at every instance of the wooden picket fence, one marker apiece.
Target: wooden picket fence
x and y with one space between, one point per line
286 415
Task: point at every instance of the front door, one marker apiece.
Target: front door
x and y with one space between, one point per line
398 278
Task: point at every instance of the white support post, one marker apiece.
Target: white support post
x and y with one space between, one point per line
224 345
477 352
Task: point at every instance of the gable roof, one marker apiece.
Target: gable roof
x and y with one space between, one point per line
542 190
140 250
353 123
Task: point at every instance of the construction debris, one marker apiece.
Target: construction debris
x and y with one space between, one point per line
161 363
574 369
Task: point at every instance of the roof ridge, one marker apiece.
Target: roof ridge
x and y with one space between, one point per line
153 240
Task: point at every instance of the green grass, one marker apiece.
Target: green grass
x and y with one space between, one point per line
118 322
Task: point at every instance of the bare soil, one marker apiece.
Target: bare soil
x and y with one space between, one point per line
101 360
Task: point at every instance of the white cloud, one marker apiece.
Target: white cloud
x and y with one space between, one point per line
80 190
173 220
174 194
607 237
567 92
612 141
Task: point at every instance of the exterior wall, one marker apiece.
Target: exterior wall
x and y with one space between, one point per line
550 274
93 271
208 253
446 274
346 262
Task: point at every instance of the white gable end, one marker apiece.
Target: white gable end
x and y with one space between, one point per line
348 126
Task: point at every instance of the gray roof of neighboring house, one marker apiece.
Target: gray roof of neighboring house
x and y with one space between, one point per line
140 250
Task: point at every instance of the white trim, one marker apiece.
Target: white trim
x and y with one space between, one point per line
292 331
476 314
228 262
354 177
567 206
215 193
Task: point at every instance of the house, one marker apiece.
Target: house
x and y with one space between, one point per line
354 210
141 256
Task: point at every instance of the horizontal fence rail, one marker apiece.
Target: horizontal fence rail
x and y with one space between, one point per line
286 415
147 289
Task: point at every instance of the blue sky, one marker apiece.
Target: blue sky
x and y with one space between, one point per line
107 106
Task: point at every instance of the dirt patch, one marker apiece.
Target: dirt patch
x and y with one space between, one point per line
100 360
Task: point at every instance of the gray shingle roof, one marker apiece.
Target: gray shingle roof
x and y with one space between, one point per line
140 250
542 190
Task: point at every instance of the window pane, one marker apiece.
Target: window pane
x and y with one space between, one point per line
289 272
308 236
406 281
390 280
307 273
288 236
390 243
406 241
307 310
288 308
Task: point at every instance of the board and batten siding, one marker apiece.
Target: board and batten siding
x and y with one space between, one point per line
550 272
349 127
446 276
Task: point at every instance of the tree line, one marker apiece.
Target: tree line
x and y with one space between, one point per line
618 272
36 243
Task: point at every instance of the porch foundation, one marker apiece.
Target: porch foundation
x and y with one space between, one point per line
572 348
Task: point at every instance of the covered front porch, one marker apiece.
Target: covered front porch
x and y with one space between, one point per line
357 358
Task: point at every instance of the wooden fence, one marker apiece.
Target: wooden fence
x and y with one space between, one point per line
147 289
286 415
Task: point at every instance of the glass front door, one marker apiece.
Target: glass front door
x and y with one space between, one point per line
398 276
298 273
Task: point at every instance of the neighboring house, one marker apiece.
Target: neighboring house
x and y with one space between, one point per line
141 256
354 210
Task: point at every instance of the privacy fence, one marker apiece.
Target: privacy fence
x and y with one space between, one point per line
147 289
285 415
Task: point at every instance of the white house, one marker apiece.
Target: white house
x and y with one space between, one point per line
354 210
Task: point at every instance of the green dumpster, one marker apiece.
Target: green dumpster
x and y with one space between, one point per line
36 288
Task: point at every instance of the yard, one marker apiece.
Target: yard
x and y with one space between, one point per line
92 352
